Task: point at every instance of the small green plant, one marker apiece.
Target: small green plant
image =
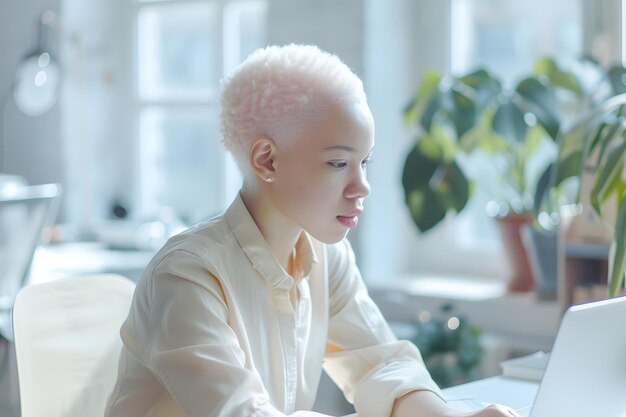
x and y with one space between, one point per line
450 347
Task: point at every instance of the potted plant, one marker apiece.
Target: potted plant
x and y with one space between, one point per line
475 112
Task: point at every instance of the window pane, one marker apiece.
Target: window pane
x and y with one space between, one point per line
182 162
178 51
508 35
244 30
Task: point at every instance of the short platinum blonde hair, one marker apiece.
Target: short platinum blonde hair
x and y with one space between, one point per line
278 91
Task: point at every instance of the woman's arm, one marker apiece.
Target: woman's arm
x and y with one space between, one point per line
364 357
427 404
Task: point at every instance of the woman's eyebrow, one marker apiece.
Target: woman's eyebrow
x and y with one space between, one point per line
340 147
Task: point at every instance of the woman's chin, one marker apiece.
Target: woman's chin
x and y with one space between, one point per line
330 238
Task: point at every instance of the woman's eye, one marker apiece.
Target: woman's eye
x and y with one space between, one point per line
366 162
337 164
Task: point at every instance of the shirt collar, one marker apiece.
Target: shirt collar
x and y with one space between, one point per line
258 251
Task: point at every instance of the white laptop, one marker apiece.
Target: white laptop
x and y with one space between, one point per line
586 371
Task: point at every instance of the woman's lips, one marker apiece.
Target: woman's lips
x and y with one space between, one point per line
348 221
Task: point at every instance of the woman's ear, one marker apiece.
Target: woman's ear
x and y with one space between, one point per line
261 158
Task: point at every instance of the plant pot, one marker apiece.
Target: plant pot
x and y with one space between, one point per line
541 248
510 231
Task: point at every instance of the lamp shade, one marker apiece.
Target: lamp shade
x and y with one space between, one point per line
36 84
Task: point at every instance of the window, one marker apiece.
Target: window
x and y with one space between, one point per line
507 36
182 50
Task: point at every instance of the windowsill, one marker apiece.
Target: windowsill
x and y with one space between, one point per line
526 323
79 258
449 287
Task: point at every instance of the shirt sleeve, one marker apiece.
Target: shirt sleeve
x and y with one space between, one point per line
191 348
363 356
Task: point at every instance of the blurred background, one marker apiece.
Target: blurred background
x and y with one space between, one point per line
135 123
117 103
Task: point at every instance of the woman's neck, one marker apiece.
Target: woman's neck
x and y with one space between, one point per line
280 233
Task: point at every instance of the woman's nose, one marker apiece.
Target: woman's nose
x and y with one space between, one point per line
359 187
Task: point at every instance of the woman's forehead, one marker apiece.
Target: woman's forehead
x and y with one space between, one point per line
336 127
346 126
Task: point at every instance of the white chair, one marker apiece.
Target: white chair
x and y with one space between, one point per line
67 343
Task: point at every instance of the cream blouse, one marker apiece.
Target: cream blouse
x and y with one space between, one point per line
212 330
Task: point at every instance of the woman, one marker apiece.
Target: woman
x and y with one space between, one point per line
236 316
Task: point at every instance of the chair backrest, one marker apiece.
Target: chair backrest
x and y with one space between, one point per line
67 343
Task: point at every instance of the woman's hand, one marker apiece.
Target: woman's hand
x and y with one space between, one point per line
494 410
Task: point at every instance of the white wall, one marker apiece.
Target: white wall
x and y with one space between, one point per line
97 107
335 26
403 38
29 146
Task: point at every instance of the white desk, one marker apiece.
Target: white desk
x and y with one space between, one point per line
514 393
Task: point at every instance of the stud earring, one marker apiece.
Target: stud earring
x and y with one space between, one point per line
269 179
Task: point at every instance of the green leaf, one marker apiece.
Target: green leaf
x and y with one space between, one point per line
425 209
567 167
431 109
478 78
542 102
573 148
482 136
605 176
607 130
617 267
547 67
420 163
452 186
432 185
445 147
464 114
431 146
576 146
428 87
535 136
485 87
616 187
605 137
542 190
509 122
